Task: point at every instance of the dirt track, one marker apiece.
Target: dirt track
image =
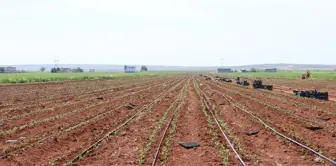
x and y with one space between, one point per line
54 123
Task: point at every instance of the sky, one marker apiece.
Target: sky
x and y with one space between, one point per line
174 32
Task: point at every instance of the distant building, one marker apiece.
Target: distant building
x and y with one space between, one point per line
271 70
224 70
10 69
66 70
244 71
129 69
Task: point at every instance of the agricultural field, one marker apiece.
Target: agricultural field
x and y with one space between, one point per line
319 80
316 75
10 78
143 120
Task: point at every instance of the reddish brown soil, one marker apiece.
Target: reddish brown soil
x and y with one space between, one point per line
261 149
44 112
17 94
61 93
91 132
329 85
78 119
322 140
332 94
305 114
288 85
192 126
132 138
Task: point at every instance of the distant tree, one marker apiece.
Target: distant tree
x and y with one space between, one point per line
92 70
42 69
236 71
2 69
253 70
144 68
55 70
80 70
77 70
260 70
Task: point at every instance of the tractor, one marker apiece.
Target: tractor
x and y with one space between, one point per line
306 76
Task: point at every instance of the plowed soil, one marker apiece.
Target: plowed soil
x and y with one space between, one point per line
192 126
53 123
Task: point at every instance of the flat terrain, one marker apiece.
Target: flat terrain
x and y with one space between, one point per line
322 75
10 78
142 120
289 81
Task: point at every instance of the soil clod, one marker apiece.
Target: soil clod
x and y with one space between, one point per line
11 141
325 118
252 132
314 128
129 107
132 104
2 156
100 98
189 145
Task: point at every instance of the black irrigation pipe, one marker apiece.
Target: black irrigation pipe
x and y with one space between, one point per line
2 156
280 134
225 136
220 128
165 133
93 146
160 143
285 110
84 94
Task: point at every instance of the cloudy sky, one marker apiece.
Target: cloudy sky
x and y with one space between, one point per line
174 32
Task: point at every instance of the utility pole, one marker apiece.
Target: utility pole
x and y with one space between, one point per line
222 62
56 61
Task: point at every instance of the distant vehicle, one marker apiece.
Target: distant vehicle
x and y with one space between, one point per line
225 79
257 84
218 78
306 76
242 82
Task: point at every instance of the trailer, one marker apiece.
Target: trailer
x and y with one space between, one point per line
242 82
218 78
315 94
225 79
257 84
